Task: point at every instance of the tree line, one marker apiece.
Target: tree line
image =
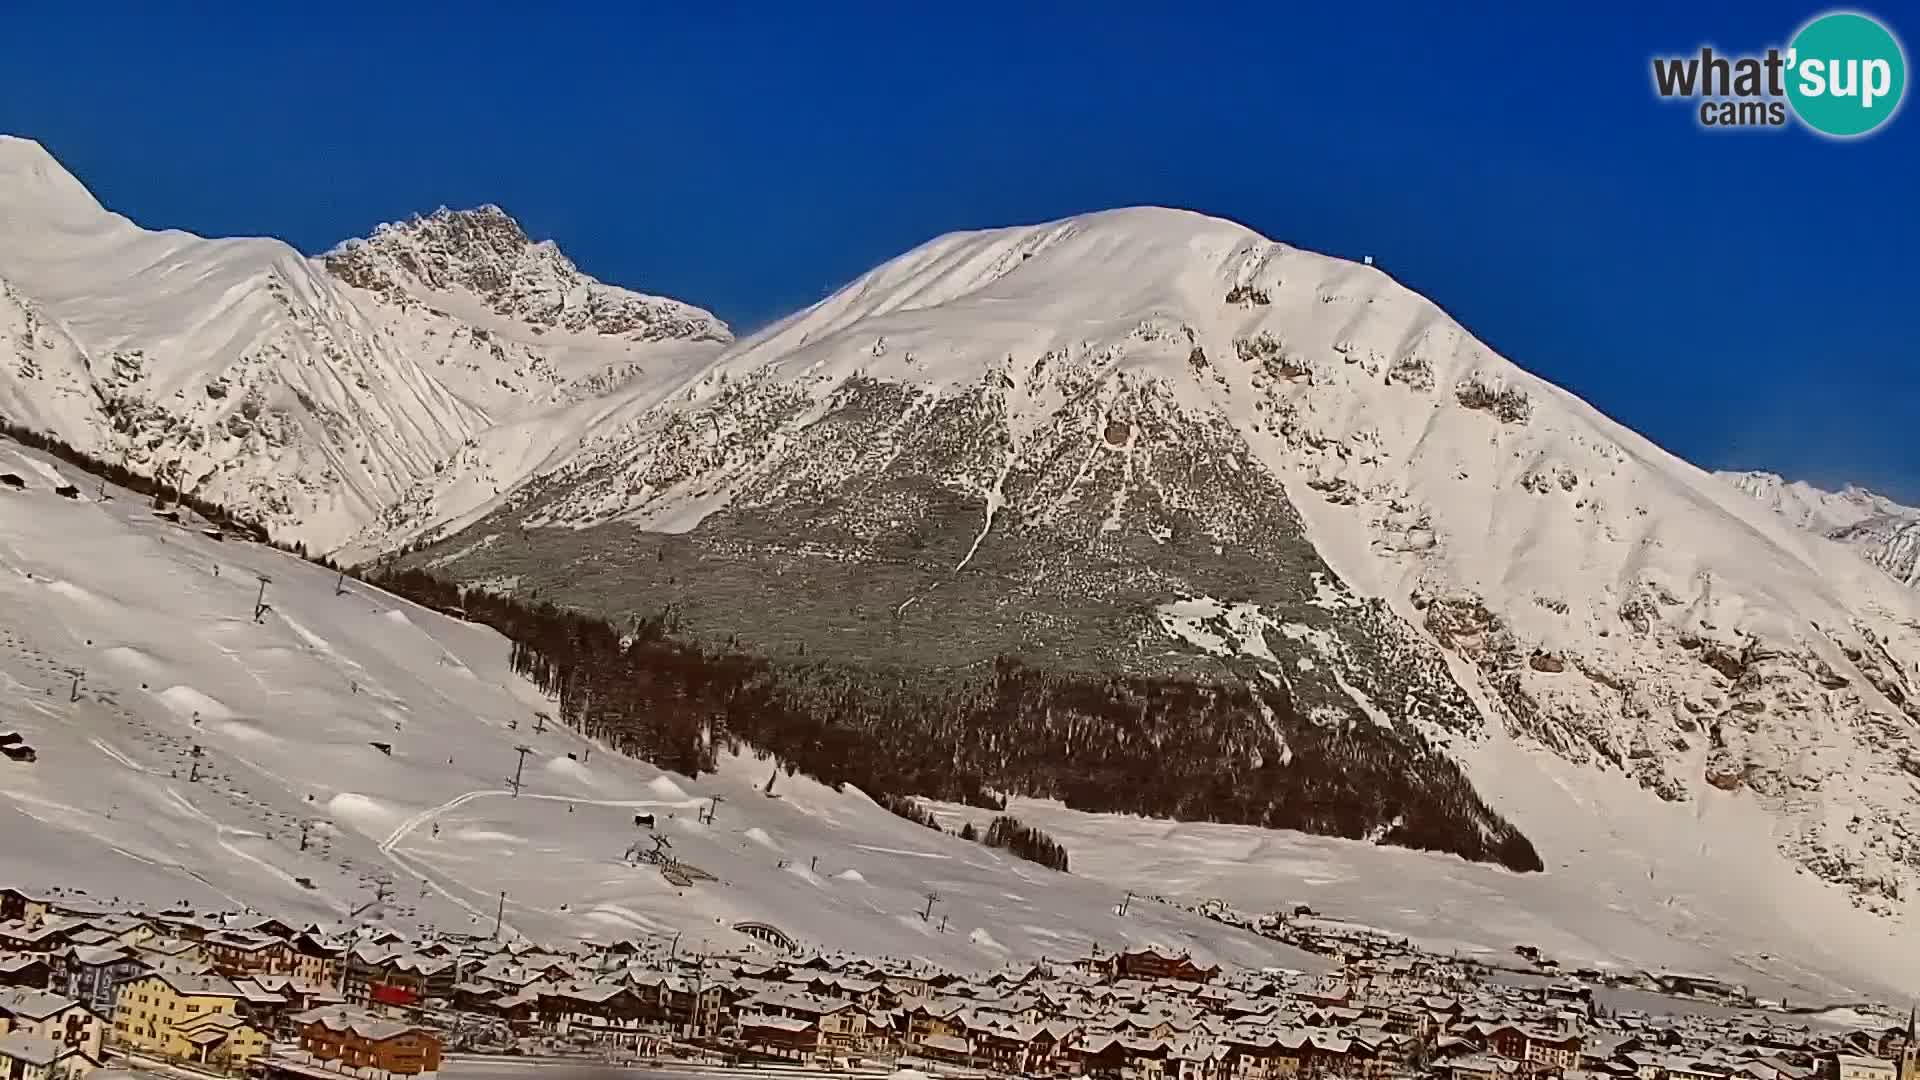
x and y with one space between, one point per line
1233 750
1005 832
162 493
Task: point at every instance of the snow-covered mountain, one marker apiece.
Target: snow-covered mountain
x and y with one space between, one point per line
1149 439
1813 508
1140 445
1884 532
309 393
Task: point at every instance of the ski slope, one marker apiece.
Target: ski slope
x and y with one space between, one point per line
157 620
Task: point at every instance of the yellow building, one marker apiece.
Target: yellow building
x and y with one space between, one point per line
160 1013
128 930
24 906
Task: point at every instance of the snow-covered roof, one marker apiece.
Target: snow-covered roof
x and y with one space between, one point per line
32 1049
371 1028
34 1004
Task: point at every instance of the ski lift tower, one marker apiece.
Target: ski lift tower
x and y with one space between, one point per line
514 782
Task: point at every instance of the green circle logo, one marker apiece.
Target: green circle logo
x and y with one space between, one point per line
1846 74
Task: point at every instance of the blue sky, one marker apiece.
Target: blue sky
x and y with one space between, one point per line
1746 299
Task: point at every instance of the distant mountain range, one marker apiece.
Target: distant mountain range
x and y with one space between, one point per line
1270 537
1884 532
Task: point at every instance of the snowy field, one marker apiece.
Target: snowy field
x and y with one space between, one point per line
1631 883
157 619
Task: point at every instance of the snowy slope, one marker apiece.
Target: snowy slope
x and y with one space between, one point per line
485 471
1590 593
1884 532
46 379
273 385
284 711
1891 542
237 363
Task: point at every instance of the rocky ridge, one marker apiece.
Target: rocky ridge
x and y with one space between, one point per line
485 253
1884 532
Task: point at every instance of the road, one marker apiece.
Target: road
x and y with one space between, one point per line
504 1068
507 1068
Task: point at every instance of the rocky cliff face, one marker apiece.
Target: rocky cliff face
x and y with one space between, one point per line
1891 542
483 255
45 379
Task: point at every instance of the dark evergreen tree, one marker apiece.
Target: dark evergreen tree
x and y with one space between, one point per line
1025 841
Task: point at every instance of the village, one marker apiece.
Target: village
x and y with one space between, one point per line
86 986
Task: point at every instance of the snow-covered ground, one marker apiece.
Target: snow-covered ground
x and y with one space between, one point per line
1632 883
157 619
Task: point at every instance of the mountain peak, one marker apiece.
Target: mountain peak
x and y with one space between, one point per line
33 180
476 248
1164 439
484 228
1135 288
485 254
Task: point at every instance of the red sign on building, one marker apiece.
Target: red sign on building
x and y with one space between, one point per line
392 995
